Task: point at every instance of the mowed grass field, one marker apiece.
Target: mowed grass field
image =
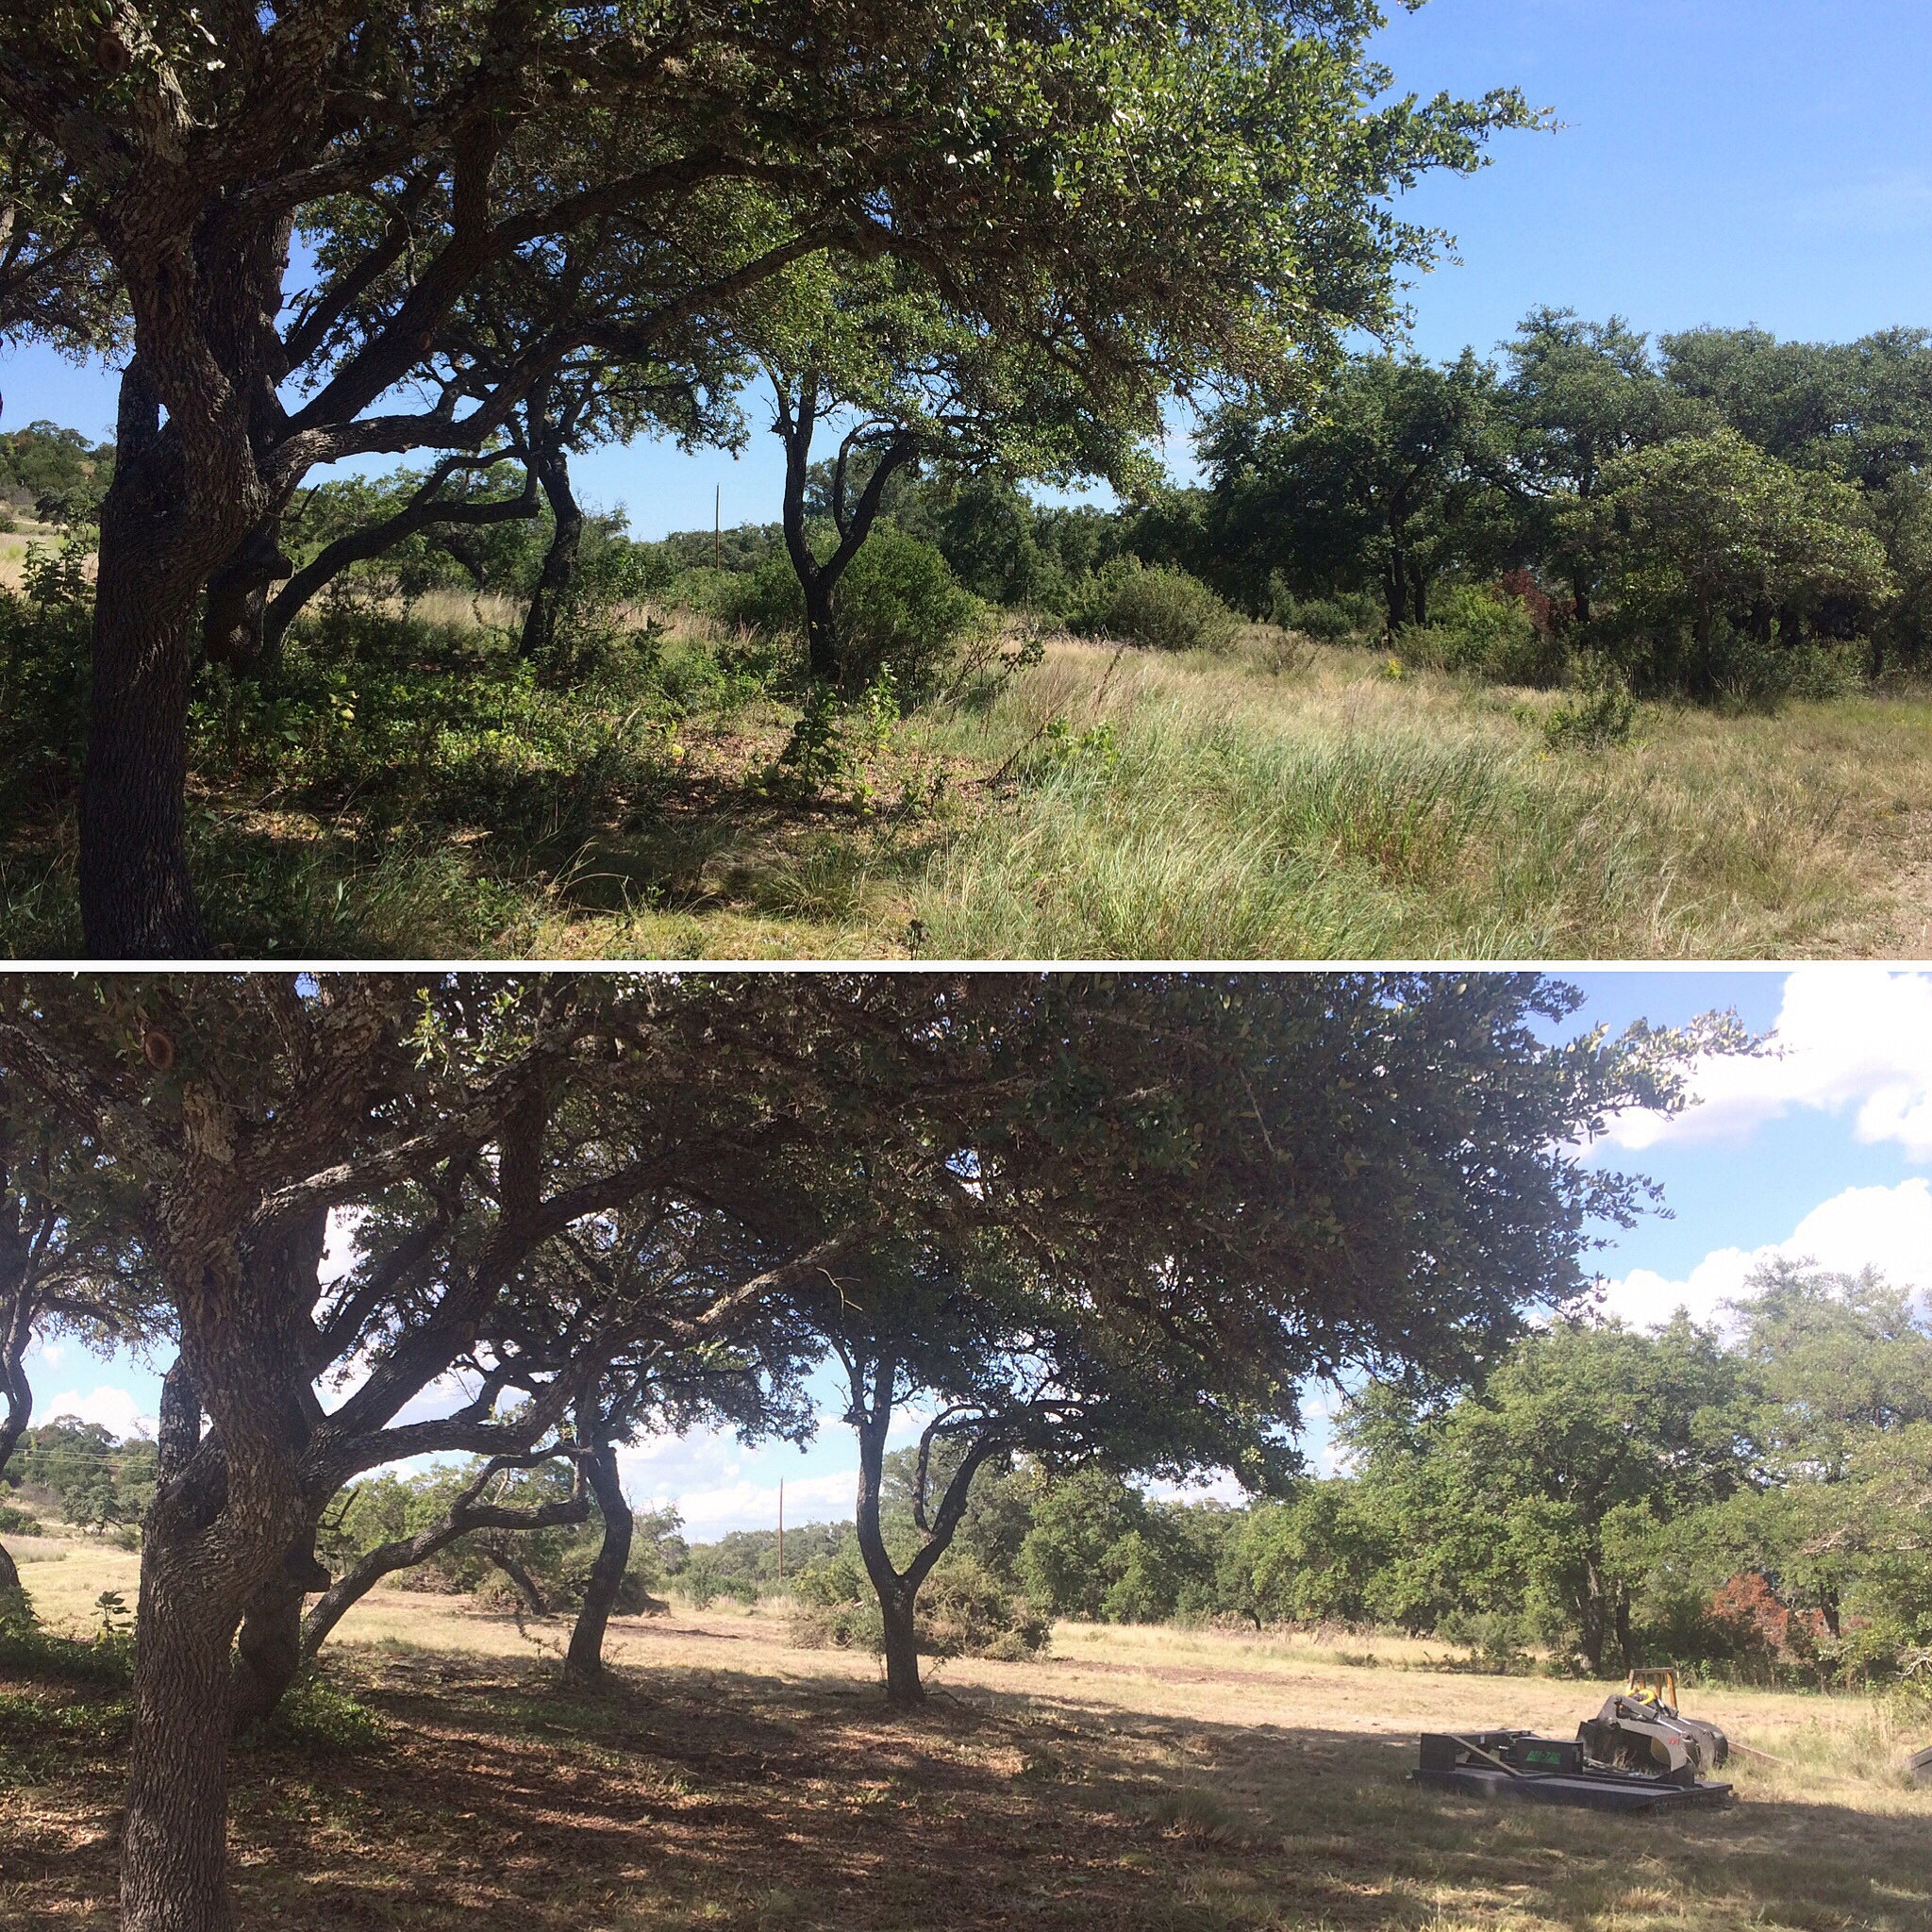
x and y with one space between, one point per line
1175 1780
1284 800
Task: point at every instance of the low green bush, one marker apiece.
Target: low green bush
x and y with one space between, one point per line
1327 620
898 609
314 1713
17 1521
1163 608
1486 635
964 1610
1599 716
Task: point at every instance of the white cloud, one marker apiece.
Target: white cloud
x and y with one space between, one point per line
1897 201
1846 1037
745 1504
112 1408
52 1353
1886 1228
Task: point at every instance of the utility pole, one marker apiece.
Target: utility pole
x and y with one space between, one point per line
781 1529
718 543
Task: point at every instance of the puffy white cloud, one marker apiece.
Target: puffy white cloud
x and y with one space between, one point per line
112 1408
1846 1037
1886 1228
745 1504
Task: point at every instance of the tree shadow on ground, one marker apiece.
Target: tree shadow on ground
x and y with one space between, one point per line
681 1798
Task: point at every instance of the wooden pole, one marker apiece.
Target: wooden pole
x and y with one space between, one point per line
718 527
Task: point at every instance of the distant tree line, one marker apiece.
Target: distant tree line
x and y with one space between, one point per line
81 1472
53 476
1756 1504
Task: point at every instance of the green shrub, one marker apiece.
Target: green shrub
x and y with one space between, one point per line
1327 620
1163 608
314 1713
964 1610
766 601
1486 635
44 675
1601 715
898 609
17 1521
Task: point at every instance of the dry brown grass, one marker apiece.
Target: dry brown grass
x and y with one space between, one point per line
1182 1781
1280 801
15 544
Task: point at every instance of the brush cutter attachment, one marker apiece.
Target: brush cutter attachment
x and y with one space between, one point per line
1637 1754
1638 1729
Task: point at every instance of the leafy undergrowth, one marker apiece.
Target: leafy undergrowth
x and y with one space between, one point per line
413 791
712 1798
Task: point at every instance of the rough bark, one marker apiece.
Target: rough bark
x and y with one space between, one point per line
174 1858
136 898
227 1511
584 1661
233 629
553 582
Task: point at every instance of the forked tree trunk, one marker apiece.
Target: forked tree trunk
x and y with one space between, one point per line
552 595
584 1661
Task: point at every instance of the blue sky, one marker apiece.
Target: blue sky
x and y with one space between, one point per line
1720 161
1822 1148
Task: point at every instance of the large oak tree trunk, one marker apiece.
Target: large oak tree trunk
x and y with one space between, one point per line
227 1510
137 900
174 1855
584 1662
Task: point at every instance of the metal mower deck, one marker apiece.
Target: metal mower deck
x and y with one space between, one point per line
1603 1791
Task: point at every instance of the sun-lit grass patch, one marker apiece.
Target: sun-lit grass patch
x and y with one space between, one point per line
407 786
1137 1777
